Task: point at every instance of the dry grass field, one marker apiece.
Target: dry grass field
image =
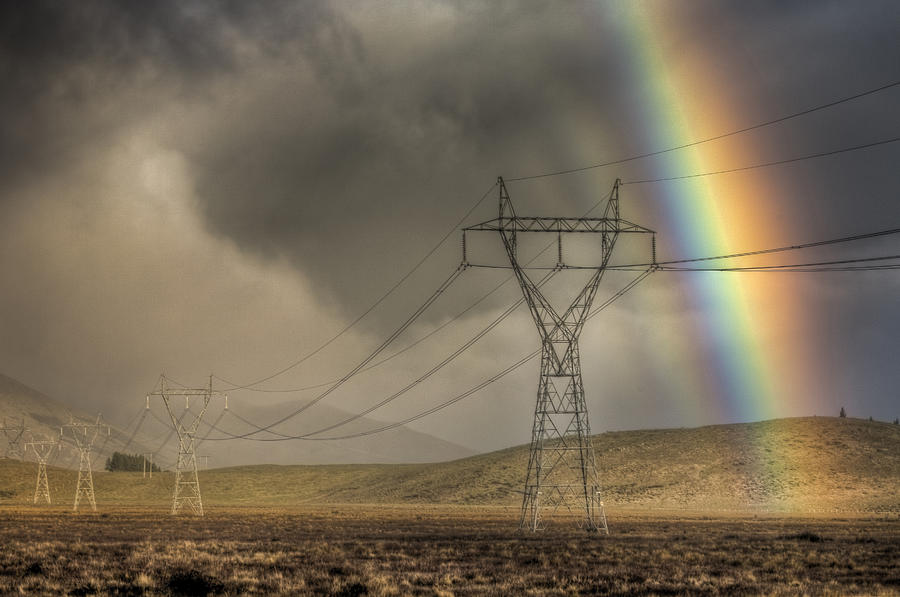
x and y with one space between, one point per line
788 507
797 466
419 550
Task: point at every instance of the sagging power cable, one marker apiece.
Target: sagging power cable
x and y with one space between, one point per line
393 336
438 328
713 138
372 307
767 164
465 346
484 383
782 249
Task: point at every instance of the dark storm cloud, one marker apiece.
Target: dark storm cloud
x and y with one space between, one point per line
74 72
364 164
347 172
364 134
345 138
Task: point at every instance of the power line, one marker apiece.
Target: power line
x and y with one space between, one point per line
797 269
431 333
793 266
211 427
415 343
484 383
819 266
443 405
708 139
406 348
818 243
390 291
767 164
468 344
393 336
136 429
642 266
433 370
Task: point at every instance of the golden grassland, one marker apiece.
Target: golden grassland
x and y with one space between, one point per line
788 507
803 465
439 550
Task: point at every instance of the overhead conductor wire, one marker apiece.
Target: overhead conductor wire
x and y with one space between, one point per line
784 161
713 138
371 308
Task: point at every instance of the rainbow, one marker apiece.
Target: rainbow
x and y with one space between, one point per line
749 355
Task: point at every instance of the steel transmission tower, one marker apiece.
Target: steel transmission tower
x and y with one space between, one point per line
14 433
148 464
42 448
562 473
187 482
84 435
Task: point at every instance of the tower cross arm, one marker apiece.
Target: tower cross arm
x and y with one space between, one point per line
186 392
556 225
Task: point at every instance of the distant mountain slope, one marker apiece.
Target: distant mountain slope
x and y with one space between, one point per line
813 464
43 416
400 445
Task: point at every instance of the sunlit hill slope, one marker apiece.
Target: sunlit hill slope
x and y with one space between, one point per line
814 464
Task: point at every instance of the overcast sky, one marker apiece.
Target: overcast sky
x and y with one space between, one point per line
197 187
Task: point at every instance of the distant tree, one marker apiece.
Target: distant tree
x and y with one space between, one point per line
127 462
870 418
896 421
843 414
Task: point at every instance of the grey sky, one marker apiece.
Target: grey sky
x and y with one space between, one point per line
198 186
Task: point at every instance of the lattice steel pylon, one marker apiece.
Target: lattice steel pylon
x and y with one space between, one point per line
562 472
148 464
14 433
84 435
187 481
43 448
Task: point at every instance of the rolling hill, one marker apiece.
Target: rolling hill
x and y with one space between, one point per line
43 417
813 464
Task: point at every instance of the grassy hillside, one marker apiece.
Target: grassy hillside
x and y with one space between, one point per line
43 416
792 465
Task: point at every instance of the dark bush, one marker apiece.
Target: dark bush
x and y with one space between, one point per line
354 590
804 536
34 568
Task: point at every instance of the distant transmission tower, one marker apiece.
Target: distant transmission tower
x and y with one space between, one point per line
562 472
14 433
84 435
148 464
187 482
43 449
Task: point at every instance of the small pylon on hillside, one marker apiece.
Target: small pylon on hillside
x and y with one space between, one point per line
43 449
187 481
84 435
148 464
14 433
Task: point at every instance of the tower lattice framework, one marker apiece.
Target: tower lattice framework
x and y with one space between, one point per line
84 435
187 480
14 433
562 472
42 449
